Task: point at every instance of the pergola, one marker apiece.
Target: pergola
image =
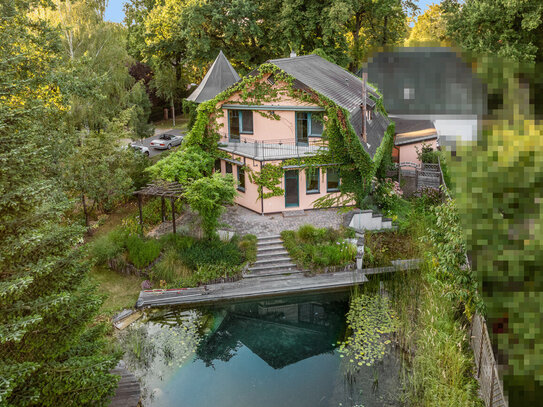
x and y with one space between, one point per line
171 190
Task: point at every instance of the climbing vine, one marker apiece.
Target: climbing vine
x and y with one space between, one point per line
344 146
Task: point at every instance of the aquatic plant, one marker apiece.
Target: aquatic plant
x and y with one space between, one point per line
370 320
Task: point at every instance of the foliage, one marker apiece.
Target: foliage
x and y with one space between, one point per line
49 354
105 248
442 366
269 178
211 252
426 198
139 115
427 154
511 29
314 249
188 261
189 109
141 252
383 156
430 27
247 245
184 166
208 196
387 194
382 247
369 320
499 200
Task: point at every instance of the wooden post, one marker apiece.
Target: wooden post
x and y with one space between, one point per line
141 213
163 209
173 214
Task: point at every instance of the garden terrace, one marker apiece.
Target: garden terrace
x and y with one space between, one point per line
171 190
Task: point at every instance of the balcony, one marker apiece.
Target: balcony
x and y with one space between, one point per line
269 150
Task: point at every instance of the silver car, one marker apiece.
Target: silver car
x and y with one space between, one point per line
166 141
142 149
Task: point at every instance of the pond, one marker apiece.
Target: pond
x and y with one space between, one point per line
271 352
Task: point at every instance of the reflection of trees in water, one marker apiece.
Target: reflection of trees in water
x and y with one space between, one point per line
278 331
155 348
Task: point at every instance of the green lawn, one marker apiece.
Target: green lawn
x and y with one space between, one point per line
122 290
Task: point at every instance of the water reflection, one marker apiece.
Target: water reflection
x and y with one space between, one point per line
279 331
266 353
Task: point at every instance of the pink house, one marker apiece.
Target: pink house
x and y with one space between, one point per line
275 133
410 136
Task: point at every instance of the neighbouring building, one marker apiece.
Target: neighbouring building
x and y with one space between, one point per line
432 86
220 76
251 138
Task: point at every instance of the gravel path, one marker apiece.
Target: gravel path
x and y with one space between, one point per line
244 221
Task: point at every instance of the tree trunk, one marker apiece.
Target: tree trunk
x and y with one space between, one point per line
85 211
385 25
173 113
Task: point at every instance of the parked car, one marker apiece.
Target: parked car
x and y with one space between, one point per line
142 149
166 141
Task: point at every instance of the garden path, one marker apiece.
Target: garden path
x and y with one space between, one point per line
243 221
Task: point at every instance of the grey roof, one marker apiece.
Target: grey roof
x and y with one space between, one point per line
220 76
340 86
406 126
441 82
410 125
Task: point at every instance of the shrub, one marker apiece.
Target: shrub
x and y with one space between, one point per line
211 252
315 248
427 154
141 252
104 248
307 233
170 268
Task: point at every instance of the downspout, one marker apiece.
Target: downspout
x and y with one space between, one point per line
262 197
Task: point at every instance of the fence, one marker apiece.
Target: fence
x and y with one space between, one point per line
491 389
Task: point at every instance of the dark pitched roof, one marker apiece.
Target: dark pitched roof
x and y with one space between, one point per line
442 83
220 76
340 86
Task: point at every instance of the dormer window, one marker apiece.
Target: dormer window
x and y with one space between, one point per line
369 115
271 79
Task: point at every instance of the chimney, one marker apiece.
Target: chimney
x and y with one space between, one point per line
364 107
292 54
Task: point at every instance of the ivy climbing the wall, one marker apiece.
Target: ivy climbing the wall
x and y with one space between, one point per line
344 146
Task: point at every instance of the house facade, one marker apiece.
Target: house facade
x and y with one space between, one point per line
288 130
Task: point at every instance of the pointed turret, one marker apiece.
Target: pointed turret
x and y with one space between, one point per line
220 76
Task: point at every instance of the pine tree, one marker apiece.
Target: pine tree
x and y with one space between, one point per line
49 354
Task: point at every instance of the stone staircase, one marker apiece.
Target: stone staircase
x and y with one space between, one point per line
272 259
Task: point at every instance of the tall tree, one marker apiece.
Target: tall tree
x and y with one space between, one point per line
508 28
431 27
49 354
371 24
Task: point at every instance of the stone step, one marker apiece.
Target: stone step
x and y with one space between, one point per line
261 243
271 253
270 237
272 273
282 265
272 260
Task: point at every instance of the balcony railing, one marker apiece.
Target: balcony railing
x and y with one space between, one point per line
276 149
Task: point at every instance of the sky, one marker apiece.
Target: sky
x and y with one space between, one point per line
114 11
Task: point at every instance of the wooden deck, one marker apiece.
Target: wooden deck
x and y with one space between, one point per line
265 286
128 393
